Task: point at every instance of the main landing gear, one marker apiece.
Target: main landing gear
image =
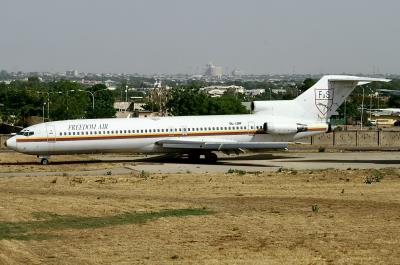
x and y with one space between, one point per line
211 157
208 157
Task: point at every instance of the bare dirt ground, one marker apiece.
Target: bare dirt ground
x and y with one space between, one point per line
285 217
17 162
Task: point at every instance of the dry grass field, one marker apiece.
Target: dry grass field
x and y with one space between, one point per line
284 217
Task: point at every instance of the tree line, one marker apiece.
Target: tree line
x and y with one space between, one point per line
59 100
63 99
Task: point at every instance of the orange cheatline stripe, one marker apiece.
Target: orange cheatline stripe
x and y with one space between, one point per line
147 135
130 136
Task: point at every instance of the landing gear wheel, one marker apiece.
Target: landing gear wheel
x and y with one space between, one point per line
194 157
211 158
44 161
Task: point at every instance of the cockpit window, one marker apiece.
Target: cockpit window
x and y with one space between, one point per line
26 133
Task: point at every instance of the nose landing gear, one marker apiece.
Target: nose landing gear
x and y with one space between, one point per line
44 160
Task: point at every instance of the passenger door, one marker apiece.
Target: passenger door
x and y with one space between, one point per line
51 137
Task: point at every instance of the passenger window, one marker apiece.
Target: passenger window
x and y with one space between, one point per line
188 129
124 131
69 133
120 131
141 131
73 133
162 130
60 134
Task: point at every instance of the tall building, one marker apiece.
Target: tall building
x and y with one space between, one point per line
214 71
72 73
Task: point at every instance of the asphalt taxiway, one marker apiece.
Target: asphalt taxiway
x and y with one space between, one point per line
125 164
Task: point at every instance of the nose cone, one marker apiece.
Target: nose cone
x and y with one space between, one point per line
11 143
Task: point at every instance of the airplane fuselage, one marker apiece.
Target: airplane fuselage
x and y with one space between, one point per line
142 134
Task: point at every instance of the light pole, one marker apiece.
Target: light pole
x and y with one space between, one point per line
72 90
377 95
48 104
370 106
345 114
362 108
92 93
44 103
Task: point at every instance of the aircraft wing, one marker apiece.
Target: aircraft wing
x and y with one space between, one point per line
220 145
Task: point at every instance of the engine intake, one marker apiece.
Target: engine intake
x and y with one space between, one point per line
272 128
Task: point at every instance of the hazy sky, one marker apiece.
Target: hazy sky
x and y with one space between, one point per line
181 36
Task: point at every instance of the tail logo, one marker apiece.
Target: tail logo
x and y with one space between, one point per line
324 100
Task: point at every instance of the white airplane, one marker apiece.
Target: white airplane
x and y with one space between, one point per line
273 125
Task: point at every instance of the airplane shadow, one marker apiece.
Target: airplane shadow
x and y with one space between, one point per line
166 159
365 161
224 161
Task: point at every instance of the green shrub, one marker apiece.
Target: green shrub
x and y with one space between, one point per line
236 171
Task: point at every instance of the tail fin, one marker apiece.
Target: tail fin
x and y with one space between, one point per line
320 101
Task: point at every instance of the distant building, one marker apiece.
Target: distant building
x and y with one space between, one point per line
109 83
213 71
89 82
236 73
217 91
72 73
386 117
132 110
278 90
254 92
